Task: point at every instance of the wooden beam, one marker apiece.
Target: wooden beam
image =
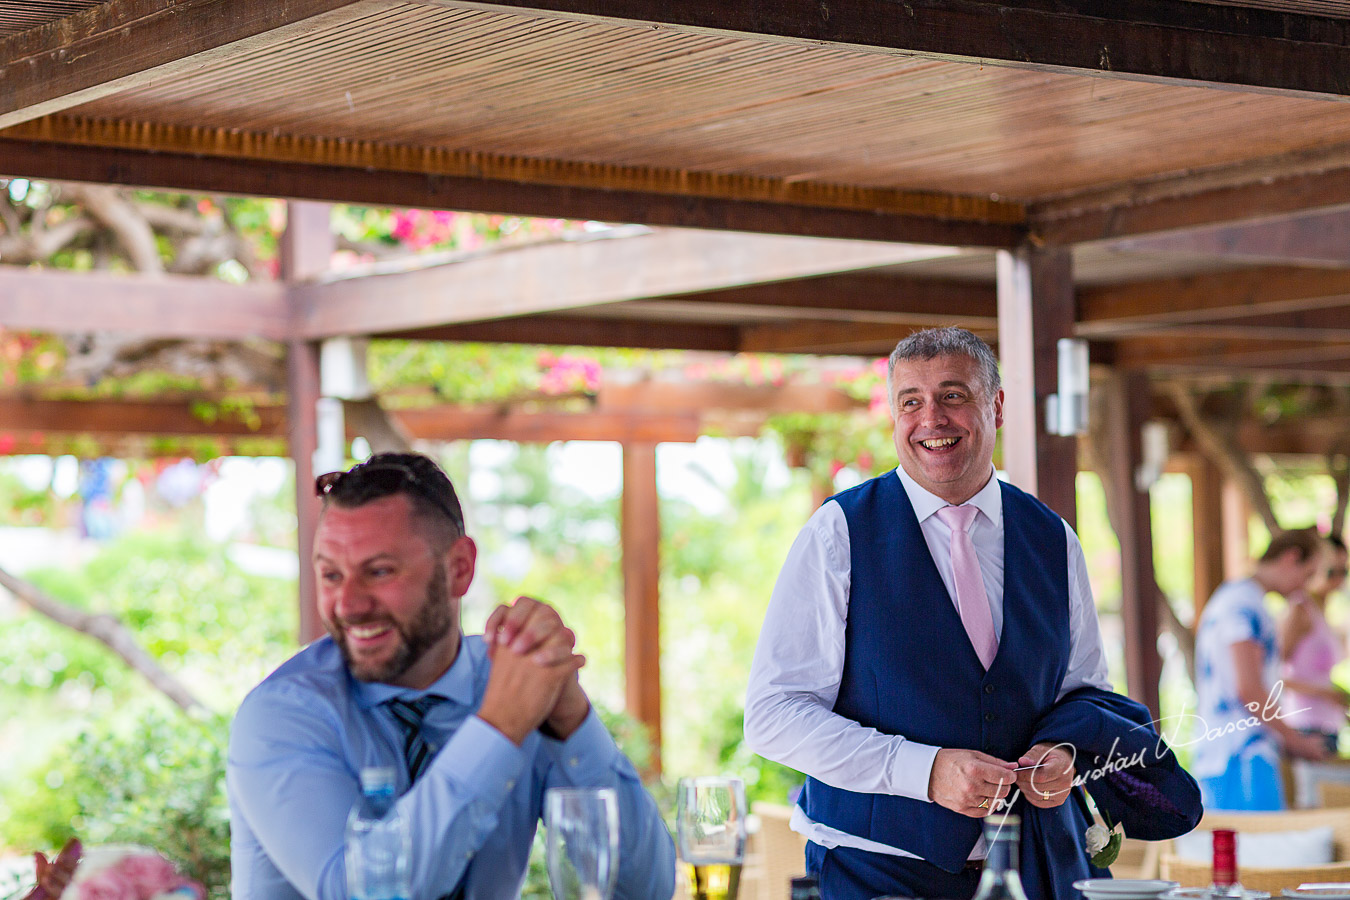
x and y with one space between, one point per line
1318 238
602 268
1245 193
862 296
306 249
684 397
544 427
1139 40
1035 310
168 306
1118 309
1129 405
1249 352
587 331
641 536
385 186
133 417
824 337
123 44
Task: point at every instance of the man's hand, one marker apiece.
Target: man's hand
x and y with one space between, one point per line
52 877
969 782
533 679
1048 785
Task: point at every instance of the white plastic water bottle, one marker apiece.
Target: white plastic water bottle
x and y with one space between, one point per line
378 841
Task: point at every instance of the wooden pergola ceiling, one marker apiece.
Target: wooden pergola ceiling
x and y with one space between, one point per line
1195 156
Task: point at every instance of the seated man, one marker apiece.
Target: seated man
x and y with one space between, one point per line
477 726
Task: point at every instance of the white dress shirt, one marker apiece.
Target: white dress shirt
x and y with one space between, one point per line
799 660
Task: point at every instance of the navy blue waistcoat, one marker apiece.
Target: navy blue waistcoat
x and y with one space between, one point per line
910 669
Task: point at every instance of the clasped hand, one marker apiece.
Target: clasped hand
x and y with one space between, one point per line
973 783
533 682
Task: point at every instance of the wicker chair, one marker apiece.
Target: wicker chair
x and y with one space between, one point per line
1289 820
780 854
1138 859
1333 793
1190 873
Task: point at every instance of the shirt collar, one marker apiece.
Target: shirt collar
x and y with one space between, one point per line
457 683
988 499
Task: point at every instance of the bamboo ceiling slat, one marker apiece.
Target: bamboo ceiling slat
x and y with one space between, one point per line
25 14
466 81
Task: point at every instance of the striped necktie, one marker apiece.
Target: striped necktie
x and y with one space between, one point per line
409 714
418 751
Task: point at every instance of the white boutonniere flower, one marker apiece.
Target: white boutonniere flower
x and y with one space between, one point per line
1103 844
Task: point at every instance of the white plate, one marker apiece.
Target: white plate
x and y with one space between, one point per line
1123 888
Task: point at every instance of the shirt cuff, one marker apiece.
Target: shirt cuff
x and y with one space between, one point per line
483 759
587 756
913 769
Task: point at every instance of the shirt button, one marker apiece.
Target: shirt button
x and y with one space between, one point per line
511 785
988 747
574 761
989 717
988 688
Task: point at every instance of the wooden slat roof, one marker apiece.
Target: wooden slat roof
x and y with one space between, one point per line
21 15
967 123
513 86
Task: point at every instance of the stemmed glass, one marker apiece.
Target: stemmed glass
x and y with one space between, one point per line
583 842
710 823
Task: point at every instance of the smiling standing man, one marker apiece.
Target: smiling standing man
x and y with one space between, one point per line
476 726
923 624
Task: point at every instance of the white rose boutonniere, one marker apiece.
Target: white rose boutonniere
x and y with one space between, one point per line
1103 843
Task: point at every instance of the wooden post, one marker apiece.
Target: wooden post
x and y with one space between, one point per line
1129 405
1206 530
1237 515
1035 310
641 535
306 247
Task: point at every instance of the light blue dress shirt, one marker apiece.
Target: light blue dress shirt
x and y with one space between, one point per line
302 736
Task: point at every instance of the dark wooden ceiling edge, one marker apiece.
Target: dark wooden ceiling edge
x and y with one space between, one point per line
194 173
1151 40
434 161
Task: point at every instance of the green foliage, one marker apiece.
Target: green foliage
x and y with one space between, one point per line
184 600
147 775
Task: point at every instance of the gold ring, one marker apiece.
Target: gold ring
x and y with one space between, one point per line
984 804
1045 795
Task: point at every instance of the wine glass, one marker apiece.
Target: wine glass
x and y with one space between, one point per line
583 842
710 823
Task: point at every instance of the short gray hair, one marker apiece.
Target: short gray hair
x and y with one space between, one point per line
950 341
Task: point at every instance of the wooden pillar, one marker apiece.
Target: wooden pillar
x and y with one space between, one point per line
1237 549
1206 529
1129 406
641 535
1035 310
306 247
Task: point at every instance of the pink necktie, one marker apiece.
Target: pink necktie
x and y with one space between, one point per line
971 598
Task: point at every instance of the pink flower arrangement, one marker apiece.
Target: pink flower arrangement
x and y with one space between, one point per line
131 873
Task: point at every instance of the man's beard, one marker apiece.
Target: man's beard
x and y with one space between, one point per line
429 625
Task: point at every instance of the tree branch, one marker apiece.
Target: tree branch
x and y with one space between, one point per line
1220 444
126 221
106 629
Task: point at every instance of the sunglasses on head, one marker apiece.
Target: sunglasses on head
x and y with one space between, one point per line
387 477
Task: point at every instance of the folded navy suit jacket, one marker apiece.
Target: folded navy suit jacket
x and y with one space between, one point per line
1132 775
